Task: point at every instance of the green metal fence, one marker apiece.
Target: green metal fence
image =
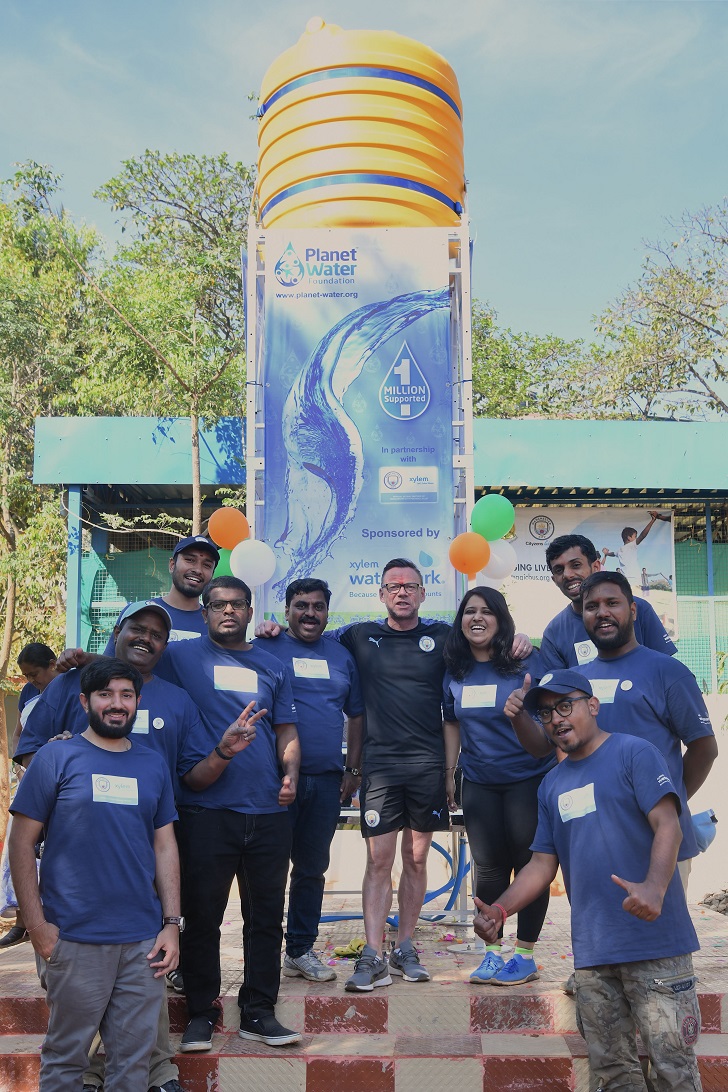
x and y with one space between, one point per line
136 567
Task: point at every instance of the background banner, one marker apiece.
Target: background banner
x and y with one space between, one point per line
647 559
358 412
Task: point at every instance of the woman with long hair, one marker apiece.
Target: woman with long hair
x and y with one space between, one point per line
500 779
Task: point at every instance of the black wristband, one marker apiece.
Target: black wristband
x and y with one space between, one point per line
226 758
352 770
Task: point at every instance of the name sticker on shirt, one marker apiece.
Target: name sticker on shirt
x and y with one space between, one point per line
141 723
241 679
478 697
115 790
585 652
577 803
304 668
604 689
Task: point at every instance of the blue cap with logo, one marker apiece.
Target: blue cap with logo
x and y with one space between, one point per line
198 542
146 604
557 682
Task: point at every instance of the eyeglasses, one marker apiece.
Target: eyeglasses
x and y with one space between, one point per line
218 605
563 708
392 588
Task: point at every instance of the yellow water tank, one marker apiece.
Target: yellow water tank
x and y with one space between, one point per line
359 128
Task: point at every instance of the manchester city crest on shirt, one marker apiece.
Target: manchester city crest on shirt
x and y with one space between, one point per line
427 644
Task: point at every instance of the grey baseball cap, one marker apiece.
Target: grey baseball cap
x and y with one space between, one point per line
557 682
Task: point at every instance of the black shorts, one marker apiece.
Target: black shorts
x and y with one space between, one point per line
411 796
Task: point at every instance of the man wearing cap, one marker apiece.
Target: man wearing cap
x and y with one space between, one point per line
609 815
191 566
646 694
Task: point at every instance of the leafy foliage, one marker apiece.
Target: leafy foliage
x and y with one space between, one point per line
668 334
521 374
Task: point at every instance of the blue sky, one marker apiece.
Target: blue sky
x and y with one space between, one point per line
588 123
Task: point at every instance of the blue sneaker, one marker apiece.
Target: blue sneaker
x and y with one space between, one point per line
488 969
516 970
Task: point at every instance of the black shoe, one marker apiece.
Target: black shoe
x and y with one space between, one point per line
198 1034
168 1086
14 936
266 1029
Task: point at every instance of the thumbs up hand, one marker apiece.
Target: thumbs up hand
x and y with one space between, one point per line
643 899
514 704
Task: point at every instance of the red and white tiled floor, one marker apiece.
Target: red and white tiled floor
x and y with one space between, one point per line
403 1038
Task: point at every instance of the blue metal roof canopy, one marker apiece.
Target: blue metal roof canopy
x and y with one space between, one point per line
145 462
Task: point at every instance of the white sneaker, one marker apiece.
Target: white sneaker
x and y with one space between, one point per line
308 966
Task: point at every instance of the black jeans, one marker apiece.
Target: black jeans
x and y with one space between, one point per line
215 848
501 822
314 815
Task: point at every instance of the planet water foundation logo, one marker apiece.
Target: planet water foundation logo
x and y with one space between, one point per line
289 268
405 393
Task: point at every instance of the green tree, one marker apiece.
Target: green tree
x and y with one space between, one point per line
522 374
668 334
42 308
177 327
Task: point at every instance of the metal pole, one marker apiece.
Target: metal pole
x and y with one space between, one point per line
73 568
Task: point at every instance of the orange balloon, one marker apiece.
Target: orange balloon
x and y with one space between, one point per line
228 527
469 552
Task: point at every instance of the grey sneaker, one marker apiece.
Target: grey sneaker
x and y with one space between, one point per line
369 972
308 966
405 961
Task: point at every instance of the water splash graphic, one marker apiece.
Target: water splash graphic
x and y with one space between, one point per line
324 451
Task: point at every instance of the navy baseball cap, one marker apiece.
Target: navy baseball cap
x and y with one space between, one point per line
200 542
557 682
146 604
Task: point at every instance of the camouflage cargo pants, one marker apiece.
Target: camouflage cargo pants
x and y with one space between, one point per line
655 996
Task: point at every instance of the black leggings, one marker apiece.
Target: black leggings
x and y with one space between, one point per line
500 821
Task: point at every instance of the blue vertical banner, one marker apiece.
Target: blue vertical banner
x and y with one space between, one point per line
358 412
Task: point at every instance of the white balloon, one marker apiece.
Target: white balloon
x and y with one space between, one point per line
252 561
503 560
483 581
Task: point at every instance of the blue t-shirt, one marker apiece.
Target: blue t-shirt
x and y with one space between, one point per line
167 719
27 700
100 809
566 643
57 710
592 814
221 682
27 694
325 684
186 624
646 694
490 753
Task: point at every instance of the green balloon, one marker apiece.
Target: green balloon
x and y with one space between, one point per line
492 517
223 566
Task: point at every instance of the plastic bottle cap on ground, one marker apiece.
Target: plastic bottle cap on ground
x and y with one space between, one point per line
315 23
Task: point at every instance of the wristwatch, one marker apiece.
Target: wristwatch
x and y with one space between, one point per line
175 921
352 770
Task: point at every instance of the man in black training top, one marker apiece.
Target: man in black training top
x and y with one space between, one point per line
403 777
